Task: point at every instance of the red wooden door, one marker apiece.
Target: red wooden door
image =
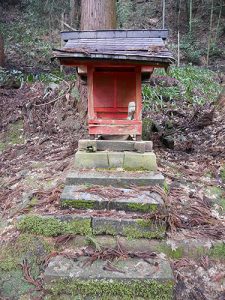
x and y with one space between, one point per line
112 92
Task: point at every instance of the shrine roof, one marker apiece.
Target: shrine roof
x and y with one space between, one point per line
138 46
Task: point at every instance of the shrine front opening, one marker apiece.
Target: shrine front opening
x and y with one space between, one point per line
114 100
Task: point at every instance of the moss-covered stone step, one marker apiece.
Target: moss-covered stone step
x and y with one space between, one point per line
131 278
135 228
114 178
100 198
91 225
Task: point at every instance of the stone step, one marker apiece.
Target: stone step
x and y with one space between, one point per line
114 178
91 224
115 145
100 198
123 278
130 161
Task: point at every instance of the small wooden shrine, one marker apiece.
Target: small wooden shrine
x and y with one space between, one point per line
115 63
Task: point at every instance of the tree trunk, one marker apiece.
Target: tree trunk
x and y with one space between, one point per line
95 14
2 55
98 14
74 13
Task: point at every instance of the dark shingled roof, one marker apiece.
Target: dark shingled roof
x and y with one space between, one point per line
140 46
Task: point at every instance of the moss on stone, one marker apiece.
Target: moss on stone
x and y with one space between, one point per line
145 207
174 254
31 248
134 232
81 226
78 204
12 254
113 289
7 262
144 223
218 251
13 135
48 226
105 230
141 169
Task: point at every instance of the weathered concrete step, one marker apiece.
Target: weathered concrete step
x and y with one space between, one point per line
99 198
55 225
114 178
112 160
115 145
131 278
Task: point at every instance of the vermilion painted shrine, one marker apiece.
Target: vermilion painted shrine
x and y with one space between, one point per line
115 63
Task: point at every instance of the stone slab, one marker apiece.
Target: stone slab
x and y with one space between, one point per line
111 159
113 145
115 159
130 269
138 161
125 199
133 228
114 178
87 160
140 147
130 278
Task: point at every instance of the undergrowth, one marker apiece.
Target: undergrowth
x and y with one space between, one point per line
197 86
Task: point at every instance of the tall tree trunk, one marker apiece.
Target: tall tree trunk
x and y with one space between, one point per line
98 14
2 55
95 14
74 13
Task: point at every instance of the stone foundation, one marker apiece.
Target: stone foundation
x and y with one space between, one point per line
130 161
112 154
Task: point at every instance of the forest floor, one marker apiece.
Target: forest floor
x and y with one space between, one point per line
40 129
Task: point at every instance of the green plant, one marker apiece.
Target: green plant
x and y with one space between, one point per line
218 251
198 87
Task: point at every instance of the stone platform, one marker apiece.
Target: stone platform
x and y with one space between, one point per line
131 278
112 154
